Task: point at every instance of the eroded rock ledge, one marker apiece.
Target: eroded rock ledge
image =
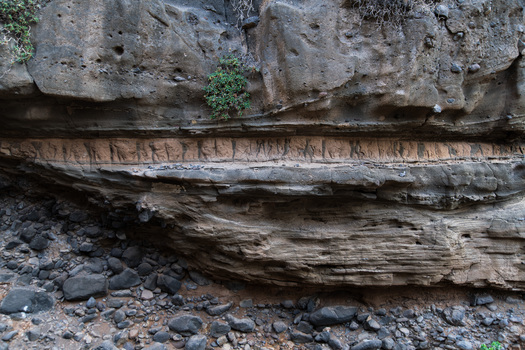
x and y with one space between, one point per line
441 213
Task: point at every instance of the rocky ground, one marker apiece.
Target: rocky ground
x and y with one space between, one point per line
73 280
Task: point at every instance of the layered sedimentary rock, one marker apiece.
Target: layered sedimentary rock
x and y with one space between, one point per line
372 155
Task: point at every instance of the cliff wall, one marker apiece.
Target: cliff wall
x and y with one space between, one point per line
374 154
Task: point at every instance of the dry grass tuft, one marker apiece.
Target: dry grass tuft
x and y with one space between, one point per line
387 12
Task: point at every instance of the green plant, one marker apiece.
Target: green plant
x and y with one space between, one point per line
225 92
17 17
493 346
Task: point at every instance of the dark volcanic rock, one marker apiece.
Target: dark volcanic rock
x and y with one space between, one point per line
368 345
126 279
196 342
185 324
279 326
78 216
168 283
331 315
161 337
481 299
245 325
219 328
106 345
133 256
85 286
28 300
300 337
199 278
39 243
27 234
454 315
219 309
115 265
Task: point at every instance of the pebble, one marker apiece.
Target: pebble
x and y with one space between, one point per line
368 345
147 295
219 328
185 324
246 303
9 335
299 337
245 325
91 303
161 337
218 310
279 326
196 342
455 68
474 68
441 11
464 345
124 280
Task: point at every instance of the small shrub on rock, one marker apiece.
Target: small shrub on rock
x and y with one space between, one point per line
225 92
493 346
17 17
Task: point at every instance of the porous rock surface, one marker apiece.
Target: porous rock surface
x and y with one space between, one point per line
372 155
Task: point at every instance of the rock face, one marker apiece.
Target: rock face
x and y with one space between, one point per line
373 155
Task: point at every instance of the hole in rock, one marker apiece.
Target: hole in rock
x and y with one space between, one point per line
119 50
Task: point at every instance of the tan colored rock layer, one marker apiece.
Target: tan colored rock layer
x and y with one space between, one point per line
310 149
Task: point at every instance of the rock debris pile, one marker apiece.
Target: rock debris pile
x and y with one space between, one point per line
72 281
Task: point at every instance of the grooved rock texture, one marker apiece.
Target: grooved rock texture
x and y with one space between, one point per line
372 155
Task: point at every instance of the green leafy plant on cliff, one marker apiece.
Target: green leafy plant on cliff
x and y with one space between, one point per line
225 93
17 17
493 346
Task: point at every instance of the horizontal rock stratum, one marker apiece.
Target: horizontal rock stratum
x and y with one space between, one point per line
373 155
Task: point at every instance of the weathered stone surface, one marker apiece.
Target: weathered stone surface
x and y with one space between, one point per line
219 328
368 345
155 50
196 342
454 315
168 284
219 309
85 286
25 299
125 279
365 159
331 315
437 204
163 37
185 324
245 325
